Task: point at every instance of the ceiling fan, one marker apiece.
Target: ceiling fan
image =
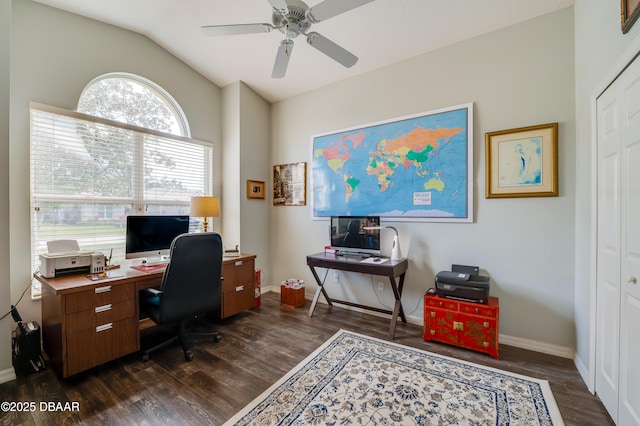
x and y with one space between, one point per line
292 18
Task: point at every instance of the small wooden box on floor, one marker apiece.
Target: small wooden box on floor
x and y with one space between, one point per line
292 298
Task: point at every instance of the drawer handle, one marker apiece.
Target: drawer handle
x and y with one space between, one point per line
238 263
103 289
240 288
433 332
477 310
433 314
458 326
441 304
104 327
103 308
485 324
485 344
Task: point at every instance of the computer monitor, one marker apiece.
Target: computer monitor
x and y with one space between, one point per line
349 236
151 236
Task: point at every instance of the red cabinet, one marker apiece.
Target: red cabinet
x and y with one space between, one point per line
465 324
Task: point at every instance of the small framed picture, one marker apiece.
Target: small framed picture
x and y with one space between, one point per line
255 189
629 12
522 162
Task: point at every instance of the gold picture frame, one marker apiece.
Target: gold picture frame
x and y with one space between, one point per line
522 162
290 184
255 189
629 12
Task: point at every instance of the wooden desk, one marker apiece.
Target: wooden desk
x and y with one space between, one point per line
87 323
391 268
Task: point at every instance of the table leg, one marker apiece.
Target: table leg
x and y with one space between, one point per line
318 291
397 307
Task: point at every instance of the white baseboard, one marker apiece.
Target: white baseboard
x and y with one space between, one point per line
518 342
7 375
537 346
584 373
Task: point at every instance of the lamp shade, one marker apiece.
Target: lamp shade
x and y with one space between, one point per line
205 207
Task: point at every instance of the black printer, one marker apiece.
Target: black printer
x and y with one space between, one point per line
463 283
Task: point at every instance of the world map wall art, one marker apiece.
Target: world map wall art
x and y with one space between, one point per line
417 167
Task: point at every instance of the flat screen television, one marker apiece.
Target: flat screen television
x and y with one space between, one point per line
349 236
151 236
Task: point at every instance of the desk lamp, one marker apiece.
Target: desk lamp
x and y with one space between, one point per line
205 207
395 251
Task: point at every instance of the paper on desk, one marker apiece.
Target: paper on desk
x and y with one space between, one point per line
59 246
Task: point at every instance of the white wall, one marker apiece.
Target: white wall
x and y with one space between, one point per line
519 76
6 370
600 47
54 55
246 126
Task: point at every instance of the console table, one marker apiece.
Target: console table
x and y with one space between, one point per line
87 323
393 269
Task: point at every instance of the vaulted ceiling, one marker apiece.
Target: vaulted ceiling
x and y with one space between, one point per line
379 33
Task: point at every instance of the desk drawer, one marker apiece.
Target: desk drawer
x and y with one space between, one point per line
440 302
241 298
479 309
103 314
237 273
98 296
95 346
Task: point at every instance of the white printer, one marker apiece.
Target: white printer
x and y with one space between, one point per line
68 263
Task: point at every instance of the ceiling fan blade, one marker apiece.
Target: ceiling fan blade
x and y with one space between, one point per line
279 4
282 59
330 8
224 30
331 49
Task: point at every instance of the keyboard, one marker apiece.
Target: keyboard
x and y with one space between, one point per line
155 261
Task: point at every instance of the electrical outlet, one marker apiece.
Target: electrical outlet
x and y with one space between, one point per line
380 286
336 277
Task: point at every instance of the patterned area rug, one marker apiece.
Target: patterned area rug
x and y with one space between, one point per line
358 380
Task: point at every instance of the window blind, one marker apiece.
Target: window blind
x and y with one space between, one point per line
89 173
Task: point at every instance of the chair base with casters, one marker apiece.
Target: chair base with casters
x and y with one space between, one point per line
182 337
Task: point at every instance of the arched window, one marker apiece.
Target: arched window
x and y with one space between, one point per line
133 100
125 151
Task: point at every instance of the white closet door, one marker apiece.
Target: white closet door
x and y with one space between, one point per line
608 276
629 407
618 289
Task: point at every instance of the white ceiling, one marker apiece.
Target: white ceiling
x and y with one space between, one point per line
379 33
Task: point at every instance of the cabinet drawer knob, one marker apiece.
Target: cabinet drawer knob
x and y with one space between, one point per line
441 304
485 344
103 289
104 327
477 310
240 288
103 308
433 314
433 332
485 324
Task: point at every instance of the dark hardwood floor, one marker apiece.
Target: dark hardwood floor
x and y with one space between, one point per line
257 348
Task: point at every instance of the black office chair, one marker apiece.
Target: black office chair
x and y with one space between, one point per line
190 287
